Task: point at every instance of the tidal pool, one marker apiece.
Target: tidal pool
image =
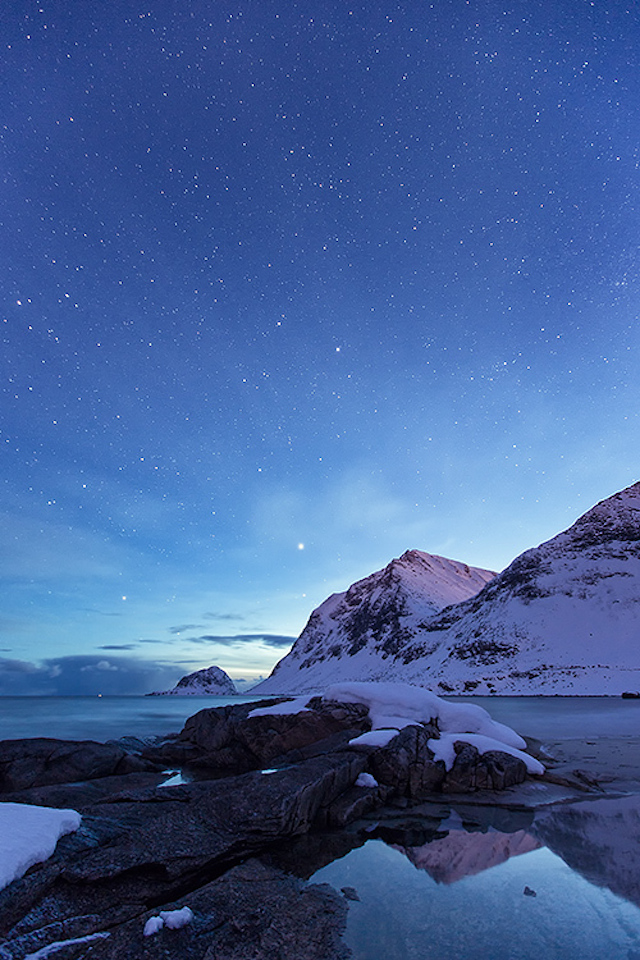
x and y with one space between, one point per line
499 896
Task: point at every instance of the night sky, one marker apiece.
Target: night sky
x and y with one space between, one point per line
290 288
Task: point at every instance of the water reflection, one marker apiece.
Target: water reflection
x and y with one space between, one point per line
565 884
600 840
461 854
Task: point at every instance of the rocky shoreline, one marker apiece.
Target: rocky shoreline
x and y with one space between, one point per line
253 783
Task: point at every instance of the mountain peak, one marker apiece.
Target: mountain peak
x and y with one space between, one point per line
561 619
369 623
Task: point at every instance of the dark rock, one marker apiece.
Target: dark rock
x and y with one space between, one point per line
349 893
84 794
253 912
41 761
226 739
493 770
528 892
151 848
407 763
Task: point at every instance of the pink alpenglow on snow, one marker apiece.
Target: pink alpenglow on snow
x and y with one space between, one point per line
354 635
29 835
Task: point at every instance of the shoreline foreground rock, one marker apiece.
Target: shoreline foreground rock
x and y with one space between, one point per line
261 774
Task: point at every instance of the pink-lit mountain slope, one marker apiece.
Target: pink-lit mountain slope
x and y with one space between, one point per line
357 635
563 618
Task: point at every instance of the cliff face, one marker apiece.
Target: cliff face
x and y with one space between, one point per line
563 618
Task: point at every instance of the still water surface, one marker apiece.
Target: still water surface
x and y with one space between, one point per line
100 718
104 718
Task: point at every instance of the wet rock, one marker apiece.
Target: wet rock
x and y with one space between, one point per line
349 893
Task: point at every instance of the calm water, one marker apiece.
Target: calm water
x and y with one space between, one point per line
104 718
100 718
405 914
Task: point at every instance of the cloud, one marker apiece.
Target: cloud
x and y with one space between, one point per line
120 646
223 616
85 675
184 627
268 639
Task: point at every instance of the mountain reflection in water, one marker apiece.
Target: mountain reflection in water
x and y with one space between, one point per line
458 882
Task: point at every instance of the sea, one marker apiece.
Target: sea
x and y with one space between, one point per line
465 880
105 718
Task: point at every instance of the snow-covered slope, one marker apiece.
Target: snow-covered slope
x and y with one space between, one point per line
563 618
356 635
211 680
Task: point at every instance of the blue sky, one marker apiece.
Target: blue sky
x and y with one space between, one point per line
289 289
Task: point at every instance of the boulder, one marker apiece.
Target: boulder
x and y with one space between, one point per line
407 763
473 771
228 740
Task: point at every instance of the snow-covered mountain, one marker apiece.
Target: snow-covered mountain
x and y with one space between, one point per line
563 618
210 681
358 634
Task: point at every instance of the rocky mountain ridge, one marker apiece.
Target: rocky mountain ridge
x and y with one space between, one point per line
563 618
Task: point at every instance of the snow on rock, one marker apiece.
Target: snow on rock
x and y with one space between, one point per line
212 681
374 738
29 835
417 705
444 749
458 723
287 707
153 925
58 945
366 780
171 919
356 635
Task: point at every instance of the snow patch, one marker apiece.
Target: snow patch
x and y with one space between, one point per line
417 705
286 708
28 835
52 948
366 780
443 749
172 919
374 738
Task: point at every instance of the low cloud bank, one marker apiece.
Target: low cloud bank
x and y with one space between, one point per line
85 675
